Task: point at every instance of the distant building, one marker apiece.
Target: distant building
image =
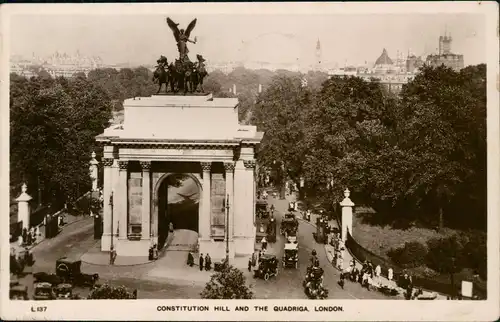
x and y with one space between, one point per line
445 56
318 55
58 64
413 63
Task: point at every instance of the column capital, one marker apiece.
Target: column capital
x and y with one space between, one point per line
123 164
249 163
107 162
206 166
146 165
229 166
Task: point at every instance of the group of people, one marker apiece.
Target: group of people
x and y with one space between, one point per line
205 262
29 237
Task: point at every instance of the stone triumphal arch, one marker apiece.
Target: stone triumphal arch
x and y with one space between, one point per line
195 135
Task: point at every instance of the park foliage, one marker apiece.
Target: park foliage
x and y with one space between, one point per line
229 283
108 292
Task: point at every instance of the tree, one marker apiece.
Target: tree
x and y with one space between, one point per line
443 132
108 292
53 124
279 114
227 284
447 256
346 130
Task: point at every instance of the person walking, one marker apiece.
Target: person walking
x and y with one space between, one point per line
264 243
378 272
390 274
190 260
208 262
201 262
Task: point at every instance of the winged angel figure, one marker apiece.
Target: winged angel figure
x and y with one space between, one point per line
182 37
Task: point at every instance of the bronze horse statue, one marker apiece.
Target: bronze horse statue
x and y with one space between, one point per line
160 74
201 72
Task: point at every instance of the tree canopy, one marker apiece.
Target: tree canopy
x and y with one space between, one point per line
229 283
53 124
420 155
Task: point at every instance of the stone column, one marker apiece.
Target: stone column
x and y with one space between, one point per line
239 197
107 216
146 200
115 184
347 206
94 173
122 200
229 167
205 224
249 201
23 207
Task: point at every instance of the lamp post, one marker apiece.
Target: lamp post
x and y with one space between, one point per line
227 229
112 230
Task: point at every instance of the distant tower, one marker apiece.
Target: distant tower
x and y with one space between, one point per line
445 44
318 55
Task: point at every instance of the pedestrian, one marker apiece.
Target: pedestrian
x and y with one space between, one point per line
341 281
201 262
341 263
20 241
208 262
190 260
171 227
250 264
264 243
254 260
112 256
25 235
260 254
390 274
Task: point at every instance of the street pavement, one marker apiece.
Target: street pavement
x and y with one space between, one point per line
288 283
170 277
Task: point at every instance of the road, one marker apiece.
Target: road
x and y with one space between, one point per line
288 283
77 238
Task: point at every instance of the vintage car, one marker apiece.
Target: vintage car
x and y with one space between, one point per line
47 278
64 291
268 267
70 271
289 225
291 255
262 219
313 283
18 291
43 291
321 230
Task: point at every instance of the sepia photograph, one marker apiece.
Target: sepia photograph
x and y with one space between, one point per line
296 156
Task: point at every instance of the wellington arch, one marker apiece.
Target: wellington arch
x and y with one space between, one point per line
195 136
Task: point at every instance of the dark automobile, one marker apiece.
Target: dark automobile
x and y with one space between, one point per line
262 219
291 256
65 292
70 271
47 278
268 267
43 291
18 291
289 225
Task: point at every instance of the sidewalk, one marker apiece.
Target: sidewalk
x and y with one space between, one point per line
69 220
347 256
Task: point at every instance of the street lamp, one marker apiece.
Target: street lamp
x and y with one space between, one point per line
227 228
112 230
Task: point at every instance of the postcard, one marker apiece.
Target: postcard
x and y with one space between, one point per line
250 161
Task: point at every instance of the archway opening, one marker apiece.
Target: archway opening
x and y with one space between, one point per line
178 207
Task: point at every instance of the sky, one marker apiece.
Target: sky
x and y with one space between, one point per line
284 38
